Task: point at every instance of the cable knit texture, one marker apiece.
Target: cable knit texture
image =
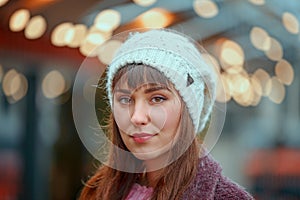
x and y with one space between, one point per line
209 184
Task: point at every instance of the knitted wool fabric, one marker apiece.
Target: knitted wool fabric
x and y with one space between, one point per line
209 184
178 58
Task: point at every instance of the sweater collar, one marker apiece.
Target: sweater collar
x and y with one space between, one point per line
205 182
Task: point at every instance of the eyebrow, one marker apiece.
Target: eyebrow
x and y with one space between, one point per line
147 90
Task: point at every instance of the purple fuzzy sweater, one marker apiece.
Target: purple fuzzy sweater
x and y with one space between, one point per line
208 184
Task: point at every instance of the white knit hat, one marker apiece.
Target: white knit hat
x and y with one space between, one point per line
180 59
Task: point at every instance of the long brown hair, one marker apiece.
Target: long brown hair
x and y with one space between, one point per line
109 183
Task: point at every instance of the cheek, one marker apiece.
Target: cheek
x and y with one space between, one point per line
159 116
122 117
173 115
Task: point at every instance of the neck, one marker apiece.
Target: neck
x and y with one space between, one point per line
151 178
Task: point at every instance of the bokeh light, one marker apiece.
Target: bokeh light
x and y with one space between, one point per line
232 56
107 20
53 84
155 18
263 78
14 86
75 35
21 83
277 92
7 82
19 20
205 8
3 2
290 22
260 38
36 27
284 72
108 50
144 3
91 43
258 2
59 33
223 89
275 53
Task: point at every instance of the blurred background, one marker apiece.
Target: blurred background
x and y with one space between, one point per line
255 43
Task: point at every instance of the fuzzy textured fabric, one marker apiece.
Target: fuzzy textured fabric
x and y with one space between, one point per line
210 184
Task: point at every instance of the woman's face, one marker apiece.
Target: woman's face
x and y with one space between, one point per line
148 118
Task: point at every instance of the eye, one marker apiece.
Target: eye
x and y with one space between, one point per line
125 100
158 99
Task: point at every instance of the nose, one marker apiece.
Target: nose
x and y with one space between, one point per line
140 114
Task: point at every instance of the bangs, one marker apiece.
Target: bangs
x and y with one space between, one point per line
135 75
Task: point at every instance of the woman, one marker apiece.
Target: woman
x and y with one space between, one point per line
161 93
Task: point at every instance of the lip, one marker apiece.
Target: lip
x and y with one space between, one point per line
142 137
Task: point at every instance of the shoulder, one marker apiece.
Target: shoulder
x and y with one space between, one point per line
228 189
209 183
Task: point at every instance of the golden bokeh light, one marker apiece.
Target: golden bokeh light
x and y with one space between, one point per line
290 22
3 2
223 89
53 84
58 35
155 18
263 78
275 53
108 50
90 45
258 2
19 20
256 85
7 82
36 27
277 92
94 29
245 98
260 38
241 89
75 35
284 72
144 3
107 20
231 55
205 8
21 82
